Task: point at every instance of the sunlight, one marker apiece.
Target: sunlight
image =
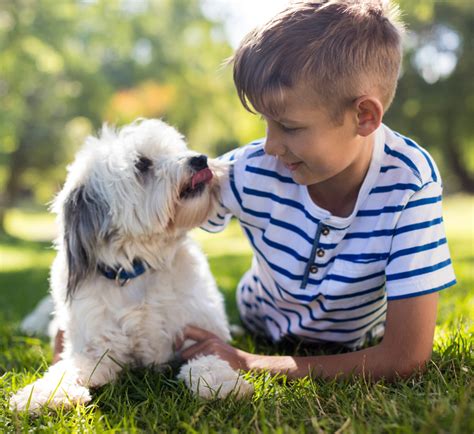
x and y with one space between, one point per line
241 16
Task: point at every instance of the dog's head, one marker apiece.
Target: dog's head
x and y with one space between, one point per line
130 193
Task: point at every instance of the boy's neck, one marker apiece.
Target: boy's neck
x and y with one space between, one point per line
338 195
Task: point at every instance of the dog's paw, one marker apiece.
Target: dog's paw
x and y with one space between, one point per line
41 394
211 377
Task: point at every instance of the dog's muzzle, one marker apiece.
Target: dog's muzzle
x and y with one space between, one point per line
198 163
201 176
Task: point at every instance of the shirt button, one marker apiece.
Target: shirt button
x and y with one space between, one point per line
313 269
325 231
320 253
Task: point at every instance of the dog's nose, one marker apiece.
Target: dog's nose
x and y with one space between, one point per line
199 162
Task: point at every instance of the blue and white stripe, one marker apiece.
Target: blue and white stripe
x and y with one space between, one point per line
392 246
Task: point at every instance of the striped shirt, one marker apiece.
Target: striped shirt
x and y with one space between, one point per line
320 277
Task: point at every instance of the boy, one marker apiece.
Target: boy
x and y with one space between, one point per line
343 214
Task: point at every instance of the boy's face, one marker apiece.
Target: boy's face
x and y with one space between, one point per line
306 140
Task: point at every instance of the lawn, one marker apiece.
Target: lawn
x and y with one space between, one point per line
143 401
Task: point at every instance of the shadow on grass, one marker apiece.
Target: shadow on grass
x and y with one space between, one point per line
9 240
228 270
469 259
21 290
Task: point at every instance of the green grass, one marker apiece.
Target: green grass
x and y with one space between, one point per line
145 401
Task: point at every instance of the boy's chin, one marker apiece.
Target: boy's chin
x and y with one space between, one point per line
305 178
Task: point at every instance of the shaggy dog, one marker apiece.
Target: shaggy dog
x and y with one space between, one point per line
127 279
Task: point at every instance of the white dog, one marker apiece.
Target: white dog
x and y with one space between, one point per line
127 279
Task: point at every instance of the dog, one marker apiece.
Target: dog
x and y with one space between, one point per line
127 278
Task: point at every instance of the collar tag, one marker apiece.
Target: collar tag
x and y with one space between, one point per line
120 275
121 280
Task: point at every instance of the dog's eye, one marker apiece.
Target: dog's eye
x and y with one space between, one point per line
143 164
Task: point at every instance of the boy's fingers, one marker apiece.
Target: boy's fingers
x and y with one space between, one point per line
178 343
192 333
197 334
194 350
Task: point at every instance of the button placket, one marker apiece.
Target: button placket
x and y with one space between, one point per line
311 267
325 232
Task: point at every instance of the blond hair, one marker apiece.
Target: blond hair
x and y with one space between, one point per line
342 49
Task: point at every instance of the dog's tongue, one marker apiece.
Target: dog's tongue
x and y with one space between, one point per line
204 175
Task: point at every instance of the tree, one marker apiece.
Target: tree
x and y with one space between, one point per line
67 66
39 92
435 99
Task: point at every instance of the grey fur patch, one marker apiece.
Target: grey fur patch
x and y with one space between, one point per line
86 220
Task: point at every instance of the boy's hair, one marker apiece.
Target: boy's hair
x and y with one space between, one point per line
342 49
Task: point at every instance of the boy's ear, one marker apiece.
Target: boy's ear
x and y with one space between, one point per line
369 114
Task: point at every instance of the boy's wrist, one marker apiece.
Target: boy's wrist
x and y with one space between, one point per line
251 361
273 364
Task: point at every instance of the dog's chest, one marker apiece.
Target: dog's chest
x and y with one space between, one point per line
144 315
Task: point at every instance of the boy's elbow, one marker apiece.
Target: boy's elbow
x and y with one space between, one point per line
412 366
404 364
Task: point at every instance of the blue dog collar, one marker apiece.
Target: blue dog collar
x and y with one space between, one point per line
120 275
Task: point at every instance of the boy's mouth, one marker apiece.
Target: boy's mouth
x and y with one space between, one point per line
292 166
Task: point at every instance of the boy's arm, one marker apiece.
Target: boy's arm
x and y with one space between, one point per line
406 347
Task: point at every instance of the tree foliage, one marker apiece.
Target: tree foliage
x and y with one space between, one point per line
67 66
435 96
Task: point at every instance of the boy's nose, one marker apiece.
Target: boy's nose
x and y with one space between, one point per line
274 146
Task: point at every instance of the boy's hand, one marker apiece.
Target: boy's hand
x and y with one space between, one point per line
405 348
208 343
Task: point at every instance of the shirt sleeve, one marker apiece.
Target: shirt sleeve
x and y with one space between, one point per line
419 261
218 220
223 211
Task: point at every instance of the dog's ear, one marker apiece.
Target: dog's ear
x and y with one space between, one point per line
85 221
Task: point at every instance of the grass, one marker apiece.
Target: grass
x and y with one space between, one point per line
145 401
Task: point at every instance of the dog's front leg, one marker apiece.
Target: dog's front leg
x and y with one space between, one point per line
66 384
96 371
210 377
59 387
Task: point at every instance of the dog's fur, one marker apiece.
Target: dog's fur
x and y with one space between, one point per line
127 197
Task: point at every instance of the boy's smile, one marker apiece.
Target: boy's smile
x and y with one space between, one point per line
331 159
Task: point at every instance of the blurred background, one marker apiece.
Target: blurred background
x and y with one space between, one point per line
66 66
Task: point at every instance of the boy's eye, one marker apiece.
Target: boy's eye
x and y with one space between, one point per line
288 129
284 128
